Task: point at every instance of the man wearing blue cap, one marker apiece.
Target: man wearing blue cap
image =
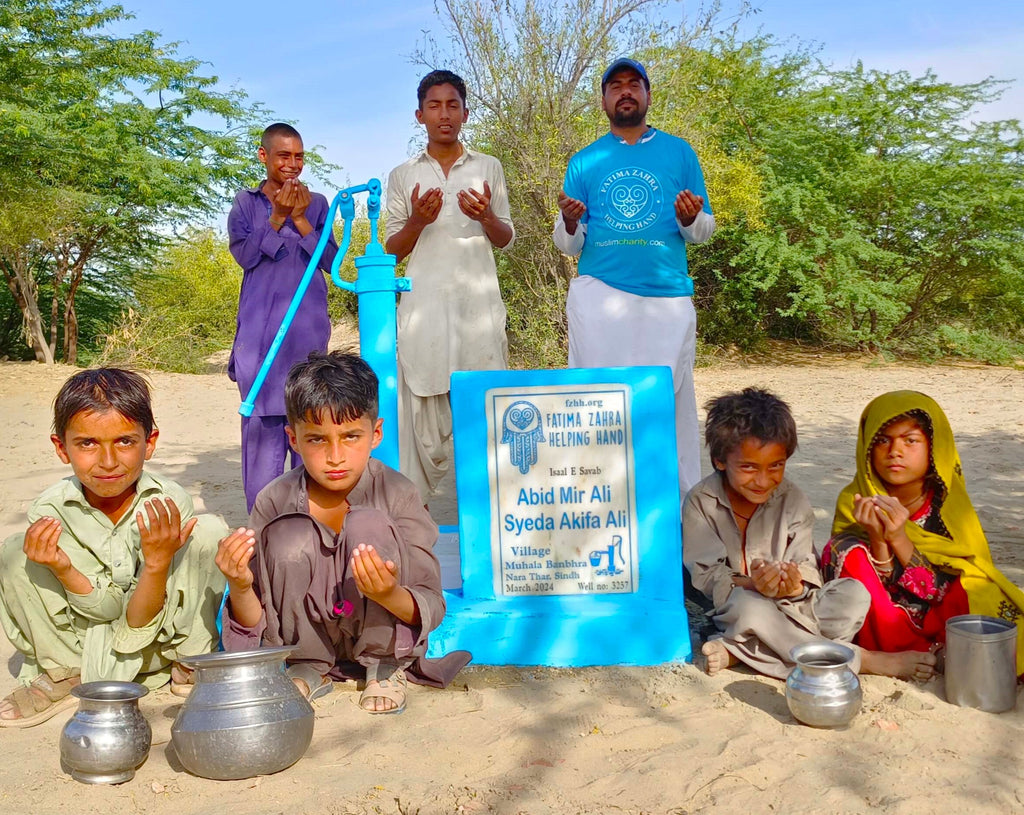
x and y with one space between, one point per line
631 202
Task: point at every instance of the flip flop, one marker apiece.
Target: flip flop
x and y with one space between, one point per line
40 700
318 684
391 687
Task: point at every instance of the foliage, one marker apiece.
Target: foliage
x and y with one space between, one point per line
343 305
886 213
100 154
856 208
958 340
185 309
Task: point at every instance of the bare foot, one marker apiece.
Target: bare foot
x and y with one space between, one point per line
916 665
182 679
716 657
8 710
309 681
302 685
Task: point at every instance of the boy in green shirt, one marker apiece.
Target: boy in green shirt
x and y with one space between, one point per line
115 577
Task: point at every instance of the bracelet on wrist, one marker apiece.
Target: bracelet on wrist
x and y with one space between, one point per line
883 568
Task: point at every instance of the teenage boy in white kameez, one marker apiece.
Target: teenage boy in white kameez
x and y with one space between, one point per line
447 209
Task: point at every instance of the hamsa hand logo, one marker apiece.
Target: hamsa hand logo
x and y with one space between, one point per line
522 431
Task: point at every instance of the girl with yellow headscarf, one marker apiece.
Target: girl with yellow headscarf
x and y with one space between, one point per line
905 527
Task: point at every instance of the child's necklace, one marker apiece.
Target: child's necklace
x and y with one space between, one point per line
916 504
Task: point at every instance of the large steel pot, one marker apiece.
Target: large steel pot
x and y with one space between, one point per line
244 716
822 690
107 737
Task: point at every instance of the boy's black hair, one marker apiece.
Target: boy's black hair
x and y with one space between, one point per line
100 390
278 129
339 382
440 78
754 412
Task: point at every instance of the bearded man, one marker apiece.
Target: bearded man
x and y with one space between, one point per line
630 203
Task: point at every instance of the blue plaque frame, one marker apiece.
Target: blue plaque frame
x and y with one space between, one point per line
645 627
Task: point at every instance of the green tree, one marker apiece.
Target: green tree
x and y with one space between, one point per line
885 214
855 207
533 71
101 154
185 309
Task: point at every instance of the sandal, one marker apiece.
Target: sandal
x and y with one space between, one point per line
317 684
40 700
182 679
392 688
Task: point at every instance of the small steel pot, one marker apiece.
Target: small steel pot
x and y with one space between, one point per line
244 717
108 737
822 690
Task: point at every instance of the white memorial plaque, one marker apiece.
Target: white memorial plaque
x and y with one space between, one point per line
563 508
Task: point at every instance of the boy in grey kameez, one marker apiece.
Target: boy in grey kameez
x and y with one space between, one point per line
747 543
339 561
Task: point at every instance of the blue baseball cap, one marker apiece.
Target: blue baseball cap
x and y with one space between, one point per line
629 64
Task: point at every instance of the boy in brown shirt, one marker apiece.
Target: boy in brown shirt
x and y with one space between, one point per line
339 560
747 543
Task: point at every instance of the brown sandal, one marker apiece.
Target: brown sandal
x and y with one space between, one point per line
40 700
392 688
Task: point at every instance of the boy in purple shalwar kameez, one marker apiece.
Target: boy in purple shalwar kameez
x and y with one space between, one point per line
273 230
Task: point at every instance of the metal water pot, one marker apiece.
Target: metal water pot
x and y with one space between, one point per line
244 716
107 737
981 662
822 690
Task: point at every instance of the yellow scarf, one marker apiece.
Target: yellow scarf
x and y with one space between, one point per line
966 551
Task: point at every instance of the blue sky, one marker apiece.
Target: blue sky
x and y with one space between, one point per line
341 69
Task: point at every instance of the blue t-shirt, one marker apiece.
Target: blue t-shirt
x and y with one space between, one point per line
633 241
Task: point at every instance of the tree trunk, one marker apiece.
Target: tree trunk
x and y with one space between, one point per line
71 336
71 317
58 278
23 289
74 271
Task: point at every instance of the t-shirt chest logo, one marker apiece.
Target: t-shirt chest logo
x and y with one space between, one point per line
630 199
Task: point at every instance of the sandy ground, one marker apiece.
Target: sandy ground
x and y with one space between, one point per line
601 740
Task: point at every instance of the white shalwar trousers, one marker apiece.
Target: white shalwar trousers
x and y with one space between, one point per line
609 327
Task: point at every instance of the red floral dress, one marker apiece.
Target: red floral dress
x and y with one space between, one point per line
910 605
